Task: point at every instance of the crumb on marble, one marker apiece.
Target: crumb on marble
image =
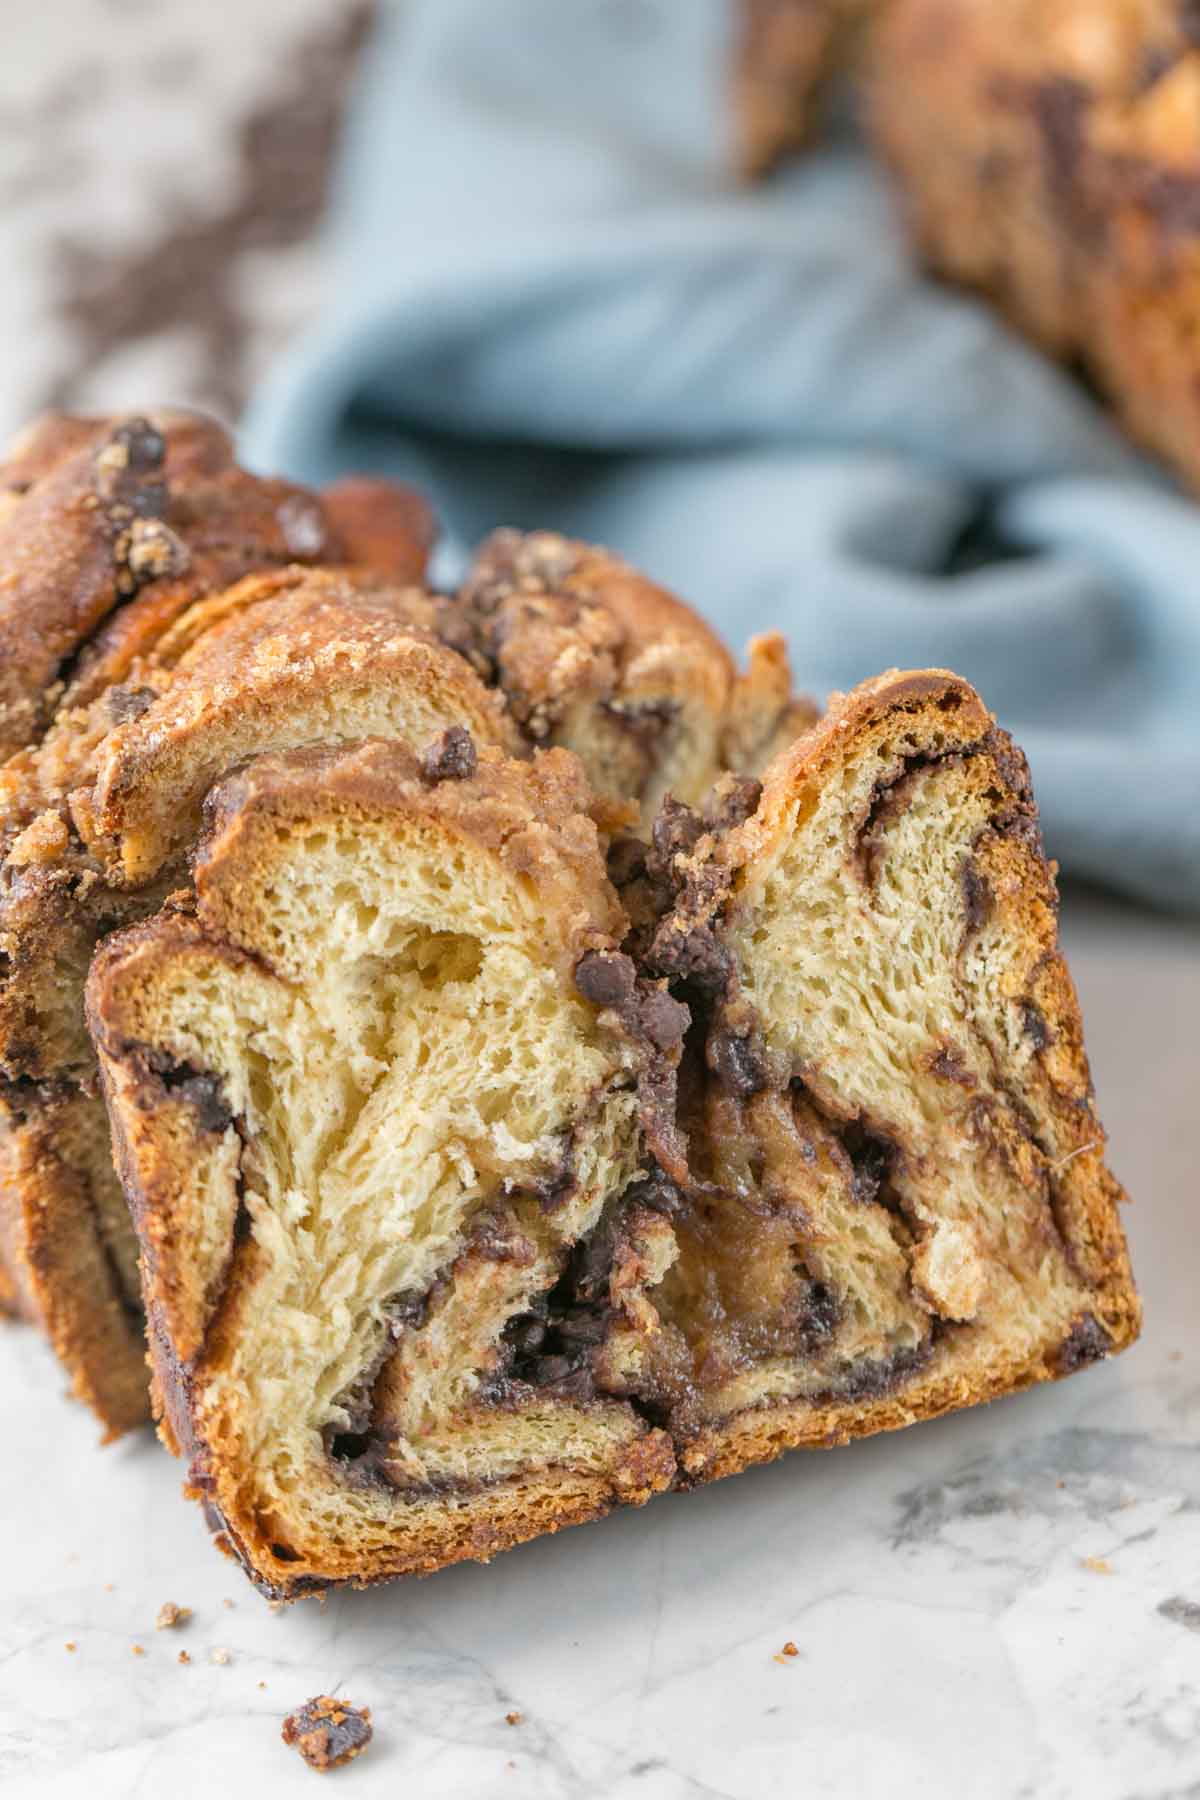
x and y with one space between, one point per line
183 1657
1098 1565
513 1718
71 1644
219 1655
170 1616
789 1649
328 1732
138 1649
227 1604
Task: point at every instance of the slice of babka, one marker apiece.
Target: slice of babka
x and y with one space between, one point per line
134 555
446 1241
373 1093
897 1201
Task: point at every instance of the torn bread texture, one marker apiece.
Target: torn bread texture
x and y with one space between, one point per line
460 1222
594 657
364 1110
898 1200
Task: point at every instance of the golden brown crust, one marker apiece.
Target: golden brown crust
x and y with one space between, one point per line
330 658
56 1182
156 512
593 656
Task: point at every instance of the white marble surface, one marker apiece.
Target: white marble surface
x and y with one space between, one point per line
1002 1604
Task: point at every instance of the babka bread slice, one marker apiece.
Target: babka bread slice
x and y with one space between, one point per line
593 656
373 1094
295 658
897 1202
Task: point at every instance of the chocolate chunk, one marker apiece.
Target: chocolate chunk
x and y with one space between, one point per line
328 1732
871 1160
198 1088
303 526
205 1094
626 860
663 1020
606 977
1034 1025
127 470
676 831
1086 1342
732 801
525 1334
738 1063
451 757
977 895
129 703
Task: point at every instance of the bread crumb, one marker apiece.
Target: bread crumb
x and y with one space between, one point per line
781 1660
170 1616
108 1587
71 1644
262 1684
328 1732
183 1657
1099 1565
219 1656
228 1605
513 1718
138 1649
789 1649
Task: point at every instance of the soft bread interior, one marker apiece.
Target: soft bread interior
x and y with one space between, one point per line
898 1177
418 1115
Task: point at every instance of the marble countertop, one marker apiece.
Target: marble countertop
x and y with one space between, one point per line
1002 1604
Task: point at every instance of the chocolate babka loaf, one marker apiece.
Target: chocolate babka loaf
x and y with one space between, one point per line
474 1198
1046 155
165 616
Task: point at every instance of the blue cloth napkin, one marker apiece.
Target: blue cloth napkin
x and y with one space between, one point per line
553 306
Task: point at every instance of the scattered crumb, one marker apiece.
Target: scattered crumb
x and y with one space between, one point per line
328 1732
1060 1483
170 1616
71 1644
1175 1356
781 1660
219 1656
789 1649
138 1649
183 1657
109 1586
262 1684
1099 1565
513 1718
228 1605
